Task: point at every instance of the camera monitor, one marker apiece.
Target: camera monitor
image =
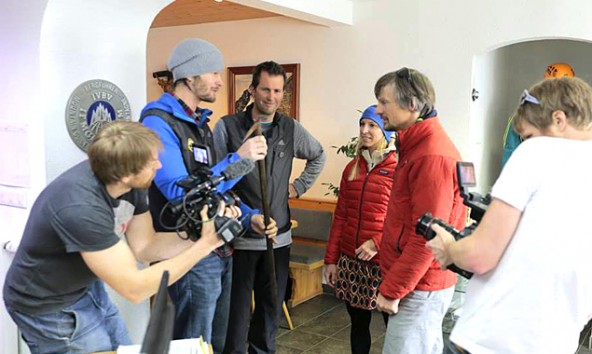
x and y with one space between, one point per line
466 174
201 154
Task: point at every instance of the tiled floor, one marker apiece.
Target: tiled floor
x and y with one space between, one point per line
322 326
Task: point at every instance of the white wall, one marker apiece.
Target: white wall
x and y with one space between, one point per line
20 30
341 64
48 48
333 85
93 40
82 40
490 80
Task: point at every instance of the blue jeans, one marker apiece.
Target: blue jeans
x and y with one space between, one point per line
202 301
417 327
91 324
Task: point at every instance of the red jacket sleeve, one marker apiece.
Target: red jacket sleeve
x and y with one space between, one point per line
339 220
432 189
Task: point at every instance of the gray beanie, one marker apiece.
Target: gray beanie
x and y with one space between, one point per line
194 57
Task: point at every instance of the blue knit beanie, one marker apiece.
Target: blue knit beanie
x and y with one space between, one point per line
193 57
370 113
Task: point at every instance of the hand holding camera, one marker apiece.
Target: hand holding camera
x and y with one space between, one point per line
208 230
439 245
200 191
429 227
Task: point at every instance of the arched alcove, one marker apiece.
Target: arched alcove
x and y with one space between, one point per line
500 75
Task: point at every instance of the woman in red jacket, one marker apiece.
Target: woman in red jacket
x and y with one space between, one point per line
352 258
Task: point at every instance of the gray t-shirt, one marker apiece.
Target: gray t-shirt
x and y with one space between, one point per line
73 214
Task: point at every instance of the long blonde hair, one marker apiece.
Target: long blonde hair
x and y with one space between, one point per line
380 148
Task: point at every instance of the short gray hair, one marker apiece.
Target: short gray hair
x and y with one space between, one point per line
411 88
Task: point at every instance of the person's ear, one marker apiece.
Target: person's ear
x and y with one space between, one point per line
188 83
125 179
413 105
251 89
559 120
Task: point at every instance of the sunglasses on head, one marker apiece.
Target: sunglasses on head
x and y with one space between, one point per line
527 97
404 73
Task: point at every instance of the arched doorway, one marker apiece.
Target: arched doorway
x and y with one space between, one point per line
499 77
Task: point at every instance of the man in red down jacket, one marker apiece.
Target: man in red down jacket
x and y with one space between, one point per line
415 292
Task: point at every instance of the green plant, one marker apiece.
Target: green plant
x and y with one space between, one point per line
349 150
332 189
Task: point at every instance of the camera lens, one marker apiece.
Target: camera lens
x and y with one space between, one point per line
423 226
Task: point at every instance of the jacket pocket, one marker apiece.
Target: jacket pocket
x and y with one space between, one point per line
399 239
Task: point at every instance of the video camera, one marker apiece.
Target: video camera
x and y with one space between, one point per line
200 189
466 178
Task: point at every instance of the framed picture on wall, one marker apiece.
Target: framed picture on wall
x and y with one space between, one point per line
239 79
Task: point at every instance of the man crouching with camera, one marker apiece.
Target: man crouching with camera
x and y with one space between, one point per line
532 287
91 225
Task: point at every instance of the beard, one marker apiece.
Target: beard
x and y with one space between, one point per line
210 98
388 126
265 110
142 184
203 92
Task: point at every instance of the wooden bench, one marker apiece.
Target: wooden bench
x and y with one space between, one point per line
308 248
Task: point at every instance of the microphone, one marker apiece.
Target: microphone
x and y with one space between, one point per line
240 168
237 169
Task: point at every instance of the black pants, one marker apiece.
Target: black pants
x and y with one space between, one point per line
250 274
360 339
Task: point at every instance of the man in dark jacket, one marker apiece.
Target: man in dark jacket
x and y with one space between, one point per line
286 139
413 286
202 296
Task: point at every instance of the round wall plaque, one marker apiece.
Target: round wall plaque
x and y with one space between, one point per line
91 105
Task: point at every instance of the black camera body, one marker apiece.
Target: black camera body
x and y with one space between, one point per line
200 190
197 195
478 204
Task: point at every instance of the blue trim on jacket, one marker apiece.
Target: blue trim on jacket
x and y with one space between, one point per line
173 168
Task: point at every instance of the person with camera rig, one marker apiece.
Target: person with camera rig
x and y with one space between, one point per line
202 297
532 286
88 227
415 292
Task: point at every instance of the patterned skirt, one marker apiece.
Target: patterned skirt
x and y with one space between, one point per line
357 282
